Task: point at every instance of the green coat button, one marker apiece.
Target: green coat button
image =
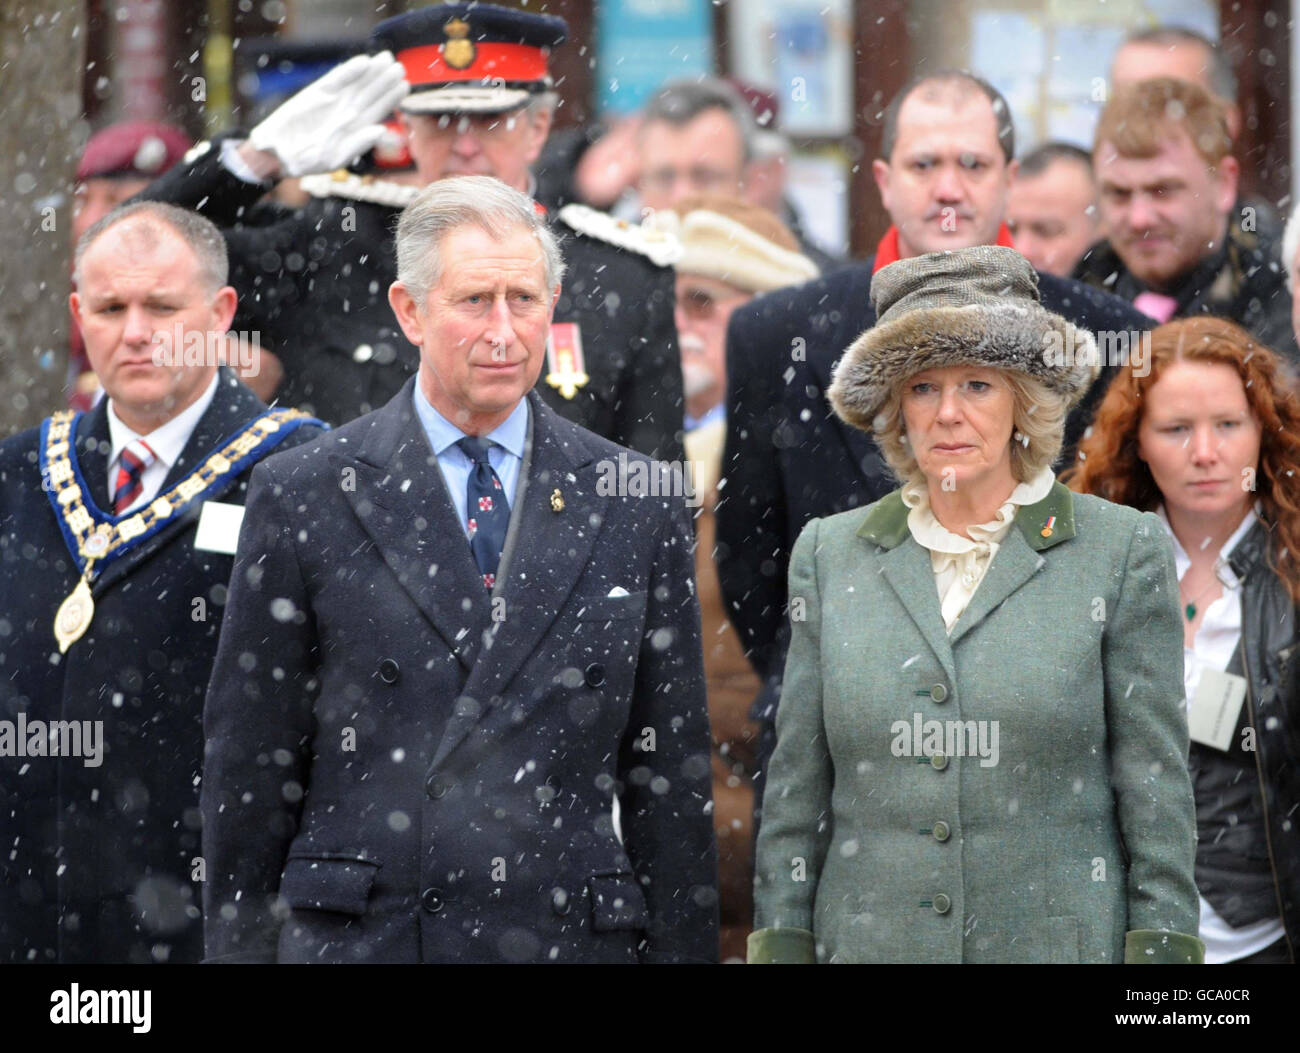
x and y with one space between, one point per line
941 831
941 903
938 761
939 692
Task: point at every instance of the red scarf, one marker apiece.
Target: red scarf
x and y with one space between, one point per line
887 250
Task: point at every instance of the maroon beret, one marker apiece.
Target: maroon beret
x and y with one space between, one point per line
136 149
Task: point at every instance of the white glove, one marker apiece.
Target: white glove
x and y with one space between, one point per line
335 119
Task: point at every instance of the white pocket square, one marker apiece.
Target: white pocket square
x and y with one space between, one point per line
617 590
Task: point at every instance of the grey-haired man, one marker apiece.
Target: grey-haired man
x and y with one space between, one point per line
458 712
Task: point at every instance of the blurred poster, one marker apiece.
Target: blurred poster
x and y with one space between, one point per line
643 43
818 185
1006 49
801 51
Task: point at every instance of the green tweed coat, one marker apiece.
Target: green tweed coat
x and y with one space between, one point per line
1015 791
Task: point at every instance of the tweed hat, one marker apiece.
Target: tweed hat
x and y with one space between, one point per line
976 307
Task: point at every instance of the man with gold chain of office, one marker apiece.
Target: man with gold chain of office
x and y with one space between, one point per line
474 90
117 534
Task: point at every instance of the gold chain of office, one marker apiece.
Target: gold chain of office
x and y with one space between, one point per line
110 536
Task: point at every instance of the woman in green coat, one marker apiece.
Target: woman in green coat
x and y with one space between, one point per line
981 750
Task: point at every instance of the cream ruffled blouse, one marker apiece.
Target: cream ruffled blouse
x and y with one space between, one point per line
959 563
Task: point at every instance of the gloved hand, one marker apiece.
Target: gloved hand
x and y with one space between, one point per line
335 119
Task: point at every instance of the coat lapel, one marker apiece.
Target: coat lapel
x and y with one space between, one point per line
399 486
551 554
1019 557
905 565
233 406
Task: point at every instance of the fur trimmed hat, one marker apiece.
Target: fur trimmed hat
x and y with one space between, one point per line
977 307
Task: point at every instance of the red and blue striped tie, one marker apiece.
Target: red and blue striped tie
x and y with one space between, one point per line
136 457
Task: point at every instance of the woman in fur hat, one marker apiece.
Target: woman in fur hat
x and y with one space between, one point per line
981 750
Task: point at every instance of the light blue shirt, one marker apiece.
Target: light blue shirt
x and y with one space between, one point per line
506 455
719 412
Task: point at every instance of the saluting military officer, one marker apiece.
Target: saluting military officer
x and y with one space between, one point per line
480 102
117 537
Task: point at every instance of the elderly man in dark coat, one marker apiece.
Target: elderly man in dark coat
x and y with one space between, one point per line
117 538
458 713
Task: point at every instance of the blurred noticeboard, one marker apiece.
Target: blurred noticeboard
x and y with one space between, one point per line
818 185
1051 58
802 52
643 43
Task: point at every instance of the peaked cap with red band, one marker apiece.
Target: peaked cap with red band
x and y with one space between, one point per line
470 57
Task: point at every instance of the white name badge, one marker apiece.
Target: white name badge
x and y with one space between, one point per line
219 527
1212 719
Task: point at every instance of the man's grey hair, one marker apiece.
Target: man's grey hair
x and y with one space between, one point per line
1290 243
966 83
449 204
680 101
1223 81
199 233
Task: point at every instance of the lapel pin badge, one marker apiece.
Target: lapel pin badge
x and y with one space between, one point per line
557 501
1047 527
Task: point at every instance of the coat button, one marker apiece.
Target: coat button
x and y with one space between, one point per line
436 787
939 692
594 674
388 670
940 831
938 761
941 903
432 900
560 902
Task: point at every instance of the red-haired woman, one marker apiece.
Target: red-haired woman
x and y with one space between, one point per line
1208 437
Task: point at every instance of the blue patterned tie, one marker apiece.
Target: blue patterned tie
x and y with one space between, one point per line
486 509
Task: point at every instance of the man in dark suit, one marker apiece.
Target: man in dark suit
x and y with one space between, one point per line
458 711
313 282
117 538
944 176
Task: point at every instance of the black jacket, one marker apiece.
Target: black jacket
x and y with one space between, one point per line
1243 281
788 458
1270 651
101 864
444 764
314 284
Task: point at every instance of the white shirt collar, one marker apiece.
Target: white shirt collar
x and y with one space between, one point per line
933 535
167 441
1181 559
